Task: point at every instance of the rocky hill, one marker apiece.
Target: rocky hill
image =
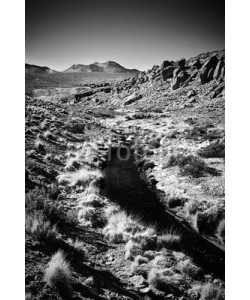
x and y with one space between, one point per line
38 69
80 243
107 67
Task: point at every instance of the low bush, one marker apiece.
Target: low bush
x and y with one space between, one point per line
154 143
213 150
189 165
207 221
191 207
58 275
187 267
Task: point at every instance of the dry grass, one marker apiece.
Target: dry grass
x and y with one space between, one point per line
169 240
82 178
165 280
41 229
58 275
187 267
212 292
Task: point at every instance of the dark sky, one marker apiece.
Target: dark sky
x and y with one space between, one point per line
134 33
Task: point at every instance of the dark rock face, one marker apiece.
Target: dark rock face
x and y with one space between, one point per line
181 78
206 72
181 63
84 94
165 64
217 71
167 73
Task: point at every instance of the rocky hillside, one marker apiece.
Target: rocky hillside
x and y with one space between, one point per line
37 69
107 67
81 245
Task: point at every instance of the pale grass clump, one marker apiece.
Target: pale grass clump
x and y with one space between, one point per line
58 275
211 291
111 210
165 280
82 177
169 240
121 227
41 228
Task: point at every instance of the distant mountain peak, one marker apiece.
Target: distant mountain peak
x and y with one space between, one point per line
106 67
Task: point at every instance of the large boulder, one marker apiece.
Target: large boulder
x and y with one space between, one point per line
177 71
207 69
79 96
217 71
167 73
181 78
132 98
165 64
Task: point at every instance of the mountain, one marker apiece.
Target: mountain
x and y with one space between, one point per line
107 67
38 69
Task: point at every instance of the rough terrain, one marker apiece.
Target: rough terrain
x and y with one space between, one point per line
172 116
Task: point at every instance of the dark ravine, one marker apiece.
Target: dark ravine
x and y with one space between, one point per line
125 187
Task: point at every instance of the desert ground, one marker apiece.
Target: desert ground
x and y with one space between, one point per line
125 194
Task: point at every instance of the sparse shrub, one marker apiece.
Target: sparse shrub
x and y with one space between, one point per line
148 165
87 214
189 165
191 207
72 217
165 280
41 229
175 201
213 150
139 259
187 267
212 292
58 275
221 230
162 262
131 249
207 221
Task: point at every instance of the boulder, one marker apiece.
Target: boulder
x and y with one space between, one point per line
181 78
167 73
181 63
217 71
196 64
132 98
177 71
78 97
208 68
165 64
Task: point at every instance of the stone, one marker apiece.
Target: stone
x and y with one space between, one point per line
208 68
181 63
167 73
181 78
78 97
217 71
138 280
196 64
132 98
165 64
177 71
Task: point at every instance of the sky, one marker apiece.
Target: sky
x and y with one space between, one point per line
134 33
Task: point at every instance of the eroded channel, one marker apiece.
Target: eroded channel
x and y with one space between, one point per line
124 186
